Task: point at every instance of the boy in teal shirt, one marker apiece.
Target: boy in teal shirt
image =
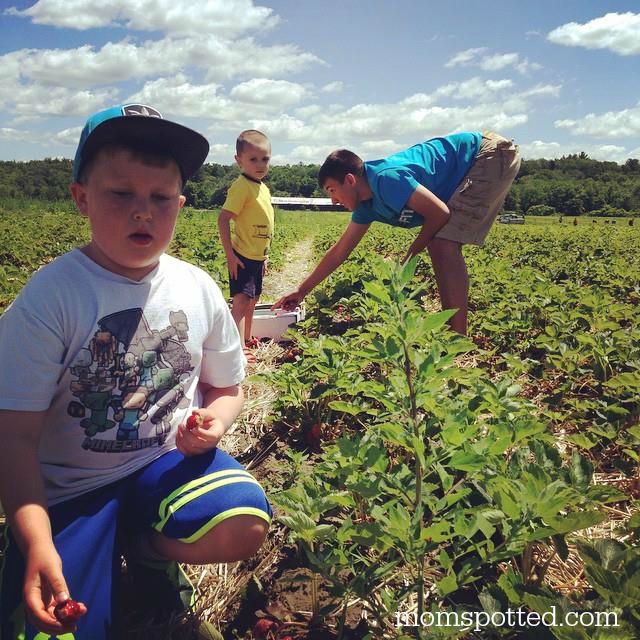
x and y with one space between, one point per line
451 187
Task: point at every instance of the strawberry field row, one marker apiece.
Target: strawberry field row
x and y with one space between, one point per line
444 466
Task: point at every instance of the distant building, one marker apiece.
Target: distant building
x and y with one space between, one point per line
315 204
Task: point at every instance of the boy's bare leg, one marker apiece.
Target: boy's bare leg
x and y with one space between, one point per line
248 318
236 538
239 308
452 279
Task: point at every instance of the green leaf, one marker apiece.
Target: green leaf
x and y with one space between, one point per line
324 531
448 584
632 454
576 521
490 603
395 433
378 292
444 560
346 407
580 471
605 494
582 440
438 320
467 461
437 532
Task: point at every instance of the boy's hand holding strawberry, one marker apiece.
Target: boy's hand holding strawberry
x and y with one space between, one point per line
201 432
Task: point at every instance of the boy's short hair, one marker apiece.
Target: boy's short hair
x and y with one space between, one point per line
152 155
251 136
338 163
140 127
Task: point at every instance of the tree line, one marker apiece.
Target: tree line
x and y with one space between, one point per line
573 185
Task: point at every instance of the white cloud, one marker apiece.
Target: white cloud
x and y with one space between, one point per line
250 102
333 87
68 137
175 17
308 111
224 60
284 128
35 101
122 61
465 57
308 154
413 118
494 62
539 149
221 153
525 66
7 134
543 90
614 124
379 148
177 97
270 94
550 150
618 32
498 61
474 88
516 101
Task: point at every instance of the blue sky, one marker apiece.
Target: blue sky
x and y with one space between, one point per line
372 75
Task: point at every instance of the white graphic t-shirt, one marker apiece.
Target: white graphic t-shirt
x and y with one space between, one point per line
114 362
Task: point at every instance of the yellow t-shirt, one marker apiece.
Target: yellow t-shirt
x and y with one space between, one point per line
250 201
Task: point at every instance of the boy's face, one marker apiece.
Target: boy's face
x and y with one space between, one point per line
132 209
344 193
254 160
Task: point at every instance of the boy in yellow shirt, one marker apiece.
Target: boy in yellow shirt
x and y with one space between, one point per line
248 204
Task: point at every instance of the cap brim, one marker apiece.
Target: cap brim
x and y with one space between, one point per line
188 147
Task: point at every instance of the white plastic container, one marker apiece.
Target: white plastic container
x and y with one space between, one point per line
272 324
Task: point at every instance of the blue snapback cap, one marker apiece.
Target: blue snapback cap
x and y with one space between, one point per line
138 122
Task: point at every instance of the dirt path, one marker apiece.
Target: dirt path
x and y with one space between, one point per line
297 267
222 588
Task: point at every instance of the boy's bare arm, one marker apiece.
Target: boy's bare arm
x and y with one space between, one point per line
220 408
23 498
225 238
21 484
435 213
331 260
225 230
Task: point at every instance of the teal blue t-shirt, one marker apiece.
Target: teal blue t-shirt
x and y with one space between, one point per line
439 164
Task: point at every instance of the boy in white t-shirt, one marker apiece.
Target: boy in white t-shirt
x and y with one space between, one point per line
108 350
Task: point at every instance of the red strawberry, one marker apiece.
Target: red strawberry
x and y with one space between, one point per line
265 628
314 435
67 611
194 420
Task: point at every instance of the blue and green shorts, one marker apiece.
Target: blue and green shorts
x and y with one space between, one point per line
182 498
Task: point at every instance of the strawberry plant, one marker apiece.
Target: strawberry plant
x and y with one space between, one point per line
451 476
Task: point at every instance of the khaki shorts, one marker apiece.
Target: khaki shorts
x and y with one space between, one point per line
479 197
